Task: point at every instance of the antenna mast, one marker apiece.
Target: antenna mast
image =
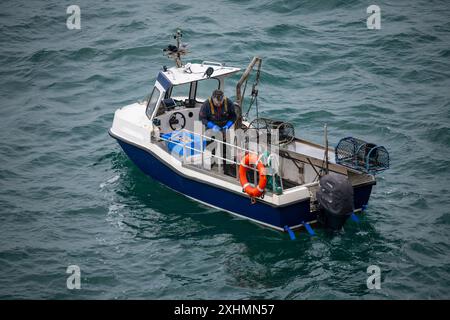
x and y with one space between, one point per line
175 52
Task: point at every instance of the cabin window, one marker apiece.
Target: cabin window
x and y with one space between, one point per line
152 102
205 88
181 91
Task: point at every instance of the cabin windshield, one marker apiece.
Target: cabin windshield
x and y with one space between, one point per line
205 88
198 90
154 97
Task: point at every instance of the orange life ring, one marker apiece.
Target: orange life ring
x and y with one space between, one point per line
251 190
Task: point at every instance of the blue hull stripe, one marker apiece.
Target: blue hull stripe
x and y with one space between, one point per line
290 215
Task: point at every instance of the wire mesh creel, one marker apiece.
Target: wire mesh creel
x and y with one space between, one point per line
361 155
285 130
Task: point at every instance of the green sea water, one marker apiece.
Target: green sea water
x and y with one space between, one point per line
70 196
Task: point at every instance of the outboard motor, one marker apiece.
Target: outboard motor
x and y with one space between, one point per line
335 197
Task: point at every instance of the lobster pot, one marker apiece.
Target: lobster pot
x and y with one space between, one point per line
285 130
361 155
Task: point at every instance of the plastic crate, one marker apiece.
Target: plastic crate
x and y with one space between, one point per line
179 141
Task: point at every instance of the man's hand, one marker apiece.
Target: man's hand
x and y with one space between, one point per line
213 126
228 125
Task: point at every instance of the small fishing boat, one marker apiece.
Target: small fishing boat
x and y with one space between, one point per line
258 169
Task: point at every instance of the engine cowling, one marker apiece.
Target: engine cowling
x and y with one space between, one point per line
335 197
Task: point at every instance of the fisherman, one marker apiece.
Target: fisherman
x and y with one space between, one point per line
217 113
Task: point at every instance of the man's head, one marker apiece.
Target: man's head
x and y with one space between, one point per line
217 97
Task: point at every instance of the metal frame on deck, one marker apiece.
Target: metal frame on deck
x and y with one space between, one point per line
239 153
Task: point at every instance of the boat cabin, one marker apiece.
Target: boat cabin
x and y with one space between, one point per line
178 94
